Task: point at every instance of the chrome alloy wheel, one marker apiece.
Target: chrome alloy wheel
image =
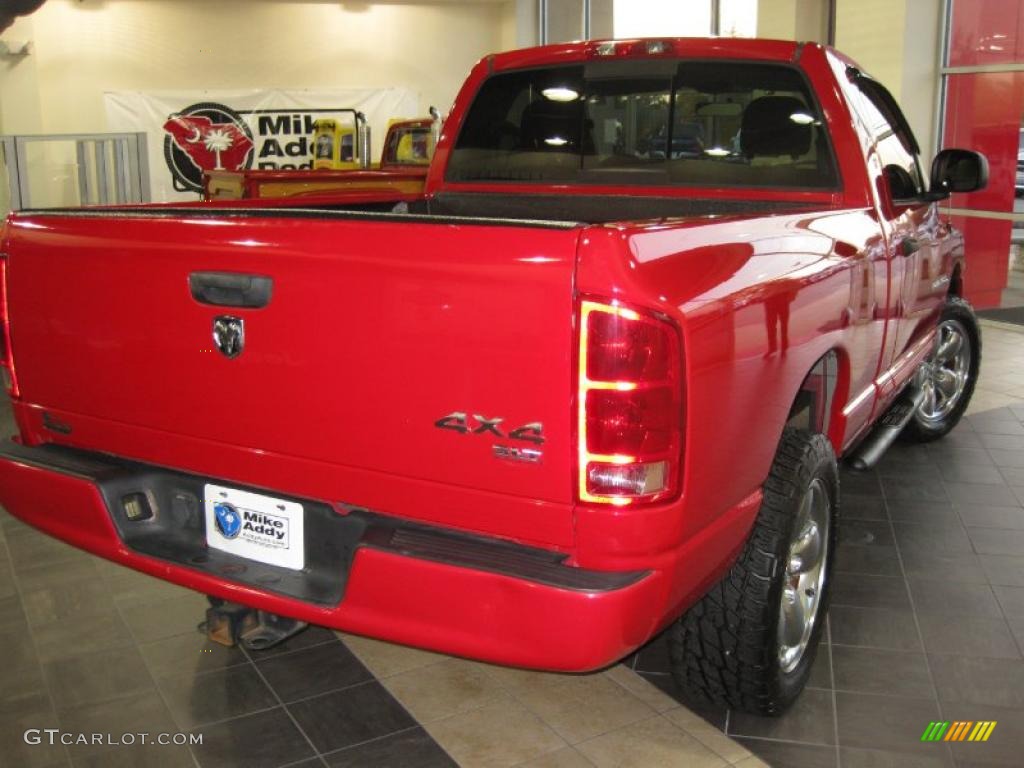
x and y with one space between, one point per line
944 375
804 578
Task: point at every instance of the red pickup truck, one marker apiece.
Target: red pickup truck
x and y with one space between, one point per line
593 382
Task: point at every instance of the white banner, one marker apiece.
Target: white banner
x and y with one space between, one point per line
188 132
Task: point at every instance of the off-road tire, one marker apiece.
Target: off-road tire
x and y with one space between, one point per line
919 430
724 650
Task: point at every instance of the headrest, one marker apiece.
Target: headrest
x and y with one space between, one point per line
768 128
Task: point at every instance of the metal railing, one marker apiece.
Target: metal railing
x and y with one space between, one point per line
96 169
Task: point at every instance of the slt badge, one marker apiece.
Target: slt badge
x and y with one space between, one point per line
229 335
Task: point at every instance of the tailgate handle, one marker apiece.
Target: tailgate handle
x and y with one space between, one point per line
231 289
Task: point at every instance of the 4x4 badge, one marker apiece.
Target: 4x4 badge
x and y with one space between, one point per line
459 421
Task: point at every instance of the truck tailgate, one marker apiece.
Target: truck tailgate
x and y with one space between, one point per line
377 329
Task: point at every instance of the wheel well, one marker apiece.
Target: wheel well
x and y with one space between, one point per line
956 282
813 404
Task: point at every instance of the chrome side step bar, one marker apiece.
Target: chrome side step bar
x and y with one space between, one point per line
888 428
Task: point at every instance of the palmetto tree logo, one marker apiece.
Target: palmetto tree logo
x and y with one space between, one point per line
205 137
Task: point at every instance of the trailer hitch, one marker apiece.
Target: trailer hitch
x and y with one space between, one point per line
229 624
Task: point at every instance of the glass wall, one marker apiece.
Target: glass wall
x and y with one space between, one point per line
983 84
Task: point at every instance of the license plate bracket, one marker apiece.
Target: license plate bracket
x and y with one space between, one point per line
257 527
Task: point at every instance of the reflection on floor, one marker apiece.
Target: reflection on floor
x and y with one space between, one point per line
927 623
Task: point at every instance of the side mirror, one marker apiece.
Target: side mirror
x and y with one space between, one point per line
958 170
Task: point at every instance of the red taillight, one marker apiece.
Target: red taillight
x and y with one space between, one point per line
10 380
630 398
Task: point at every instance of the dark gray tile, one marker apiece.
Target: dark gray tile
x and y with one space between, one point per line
858 483
1017 628
1003 442
1004 746
1010 459
714 714
975 637
958 472
996 423
958 439
207 698
351 716
86 634
954 598
31 549
66 602
307 638
96 678
654 656
1006 570
865 591
980 682
263 740
1011 599
20 672
12 618
879 560
884 722
979 516
188 655
130 589
176 616
937 757
1012 475
939 565
809 720
413 747
866 533
138 713
996 541
915 473
138 756
42 575
966 494
897 489
976 456
862 507
821 668
871 670
29 713
313 671
780 753
874 627
942 538
925 512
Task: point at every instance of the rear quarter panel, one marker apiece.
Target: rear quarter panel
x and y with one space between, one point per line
814 282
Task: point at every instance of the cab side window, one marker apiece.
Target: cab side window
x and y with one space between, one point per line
881 118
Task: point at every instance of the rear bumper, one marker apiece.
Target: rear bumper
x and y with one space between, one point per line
410 584
462 595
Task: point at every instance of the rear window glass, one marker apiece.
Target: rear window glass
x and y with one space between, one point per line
647 123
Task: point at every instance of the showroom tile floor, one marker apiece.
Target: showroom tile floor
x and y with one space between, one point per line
927 623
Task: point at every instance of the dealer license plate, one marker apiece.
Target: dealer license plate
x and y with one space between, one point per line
254 526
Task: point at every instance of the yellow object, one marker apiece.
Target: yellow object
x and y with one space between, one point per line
334 146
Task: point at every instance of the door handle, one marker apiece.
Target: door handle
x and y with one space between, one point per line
231 289
909 246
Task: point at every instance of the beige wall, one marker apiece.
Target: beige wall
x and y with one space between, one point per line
898 42
804 20
85 47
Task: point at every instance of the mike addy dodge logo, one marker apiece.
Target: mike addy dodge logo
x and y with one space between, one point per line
233 522
208 136
959 730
